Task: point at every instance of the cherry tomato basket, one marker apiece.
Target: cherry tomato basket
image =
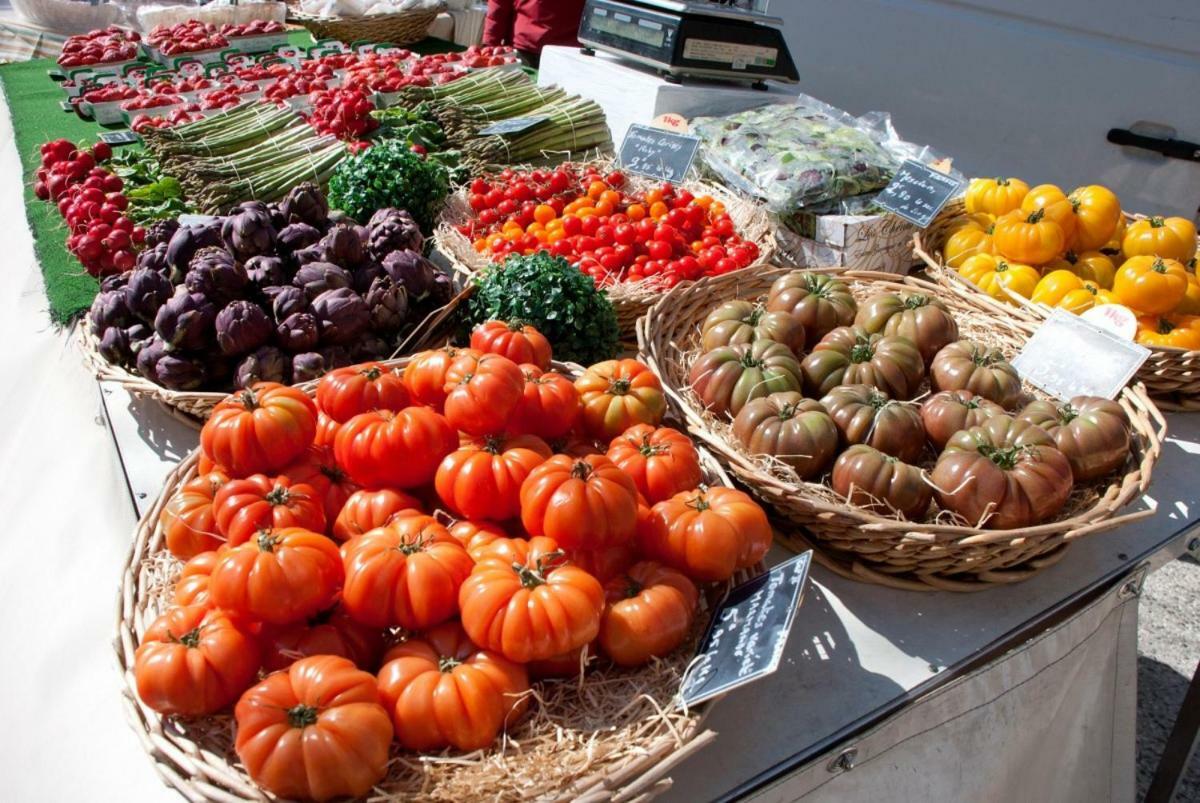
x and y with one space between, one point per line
1171 375
941 552
608 734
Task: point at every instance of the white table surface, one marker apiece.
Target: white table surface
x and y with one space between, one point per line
856 652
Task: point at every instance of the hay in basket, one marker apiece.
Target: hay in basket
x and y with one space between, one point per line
629 299
1171 376
614 734
942 552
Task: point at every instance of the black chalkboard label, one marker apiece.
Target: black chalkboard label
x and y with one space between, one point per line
119 137
514 125
917 193
656 153
746 637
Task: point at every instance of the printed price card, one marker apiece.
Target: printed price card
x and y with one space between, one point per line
1069 357
746 637
119 137
656 153
917 193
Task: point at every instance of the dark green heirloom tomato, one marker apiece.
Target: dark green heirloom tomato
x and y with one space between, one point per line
951 411
1003 474
726 378
850 356
922 319
795 430
967 365
879 482
1092 432
821 302
864 414
737 322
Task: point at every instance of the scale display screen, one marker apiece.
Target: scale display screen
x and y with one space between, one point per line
640 31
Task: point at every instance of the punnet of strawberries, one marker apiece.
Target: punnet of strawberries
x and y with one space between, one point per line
102 46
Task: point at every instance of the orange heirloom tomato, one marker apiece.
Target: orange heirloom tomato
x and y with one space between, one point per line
995 196
1052 287
187 521
383 449
476 536
244 507
1151 284
525 602
327 430
1097 212
662 461
581 503
345 392
1169 238
549 404
278 577
519 343
443 691
314 731
606 562
425 374
996 277
318 468
483 480
616 394
1030 238
259 430
1169 331
649 613
329 632
708 534
406 573
194 661
366 510
1054 205
482 392
192 586
974 236
1091 266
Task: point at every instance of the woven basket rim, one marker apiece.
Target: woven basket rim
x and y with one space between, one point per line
416 13
201 773
658 339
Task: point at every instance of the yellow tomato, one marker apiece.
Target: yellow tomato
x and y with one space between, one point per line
1091 266
1056 206
1053 286
995 196
998 278
974 236
1169 331
1077 301
1190 304
1169 238
1150 284
1028 237
544 213
1097 212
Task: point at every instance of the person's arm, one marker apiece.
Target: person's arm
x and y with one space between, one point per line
498 27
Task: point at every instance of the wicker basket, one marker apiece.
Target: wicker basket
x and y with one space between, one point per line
629 299
616 736
863 545
401 28
196 405
1171 376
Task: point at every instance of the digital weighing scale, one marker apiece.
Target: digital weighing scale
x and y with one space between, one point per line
682 39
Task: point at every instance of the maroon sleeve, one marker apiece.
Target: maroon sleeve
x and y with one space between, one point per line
498 27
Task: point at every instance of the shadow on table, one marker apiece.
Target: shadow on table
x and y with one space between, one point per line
166 435
1160 692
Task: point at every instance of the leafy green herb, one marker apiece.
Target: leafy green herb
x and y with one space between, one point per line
389 175
153 194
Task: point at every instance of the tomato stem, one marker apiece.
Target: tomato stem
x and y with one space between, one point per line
529 577
1036 216
1004 458
863 350
581 470
1157 223
190 639
756 315
249 399
278 496
1165 327
266 541
749 361
447 663
493 444
417 544
648 449
1159 266
619 386
372 373
632 587
698 503
301 716
916 301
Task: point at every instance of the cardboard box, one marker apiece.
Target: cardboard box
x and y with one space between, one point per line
867 242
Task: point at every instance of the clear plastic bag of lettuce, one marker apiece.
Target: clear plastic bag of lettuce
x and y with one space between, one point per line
794 156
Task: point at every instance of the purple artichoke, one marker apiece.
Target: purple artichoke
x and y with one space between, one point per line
109 309
214 273
317 252
336 357
115 345
393 230
307 367
267 364
298 332
186 320
179 372
372 347
362 277
277 218
388 305
342 316
264 272
296 237
148 357
137 334
186 242
155 258
160 232
305 203
248 232
317 277
242 326
413 271
343 246
286 300
148 290
114 281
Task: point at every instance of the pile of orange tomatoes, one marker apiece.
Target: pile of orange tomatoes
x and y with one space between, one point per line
1076 251
394 561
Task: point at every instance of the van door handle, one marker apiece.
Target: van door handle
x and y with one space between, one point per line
1174 148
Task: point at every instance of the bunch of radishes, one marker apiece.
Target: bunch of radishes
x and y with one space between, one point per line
344 113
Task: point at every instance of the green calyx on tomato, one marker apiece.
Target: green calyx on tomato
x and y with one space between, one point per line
619 387
249 399
372 373
648 449
749 361
581 470
1165 327
418 544
266 541
1036 216
632 587
301 716
1003 458
862 351
1157 222
448 663
698 503
190 639
532 577
1159 266
878 400
279 495
493 444
916 301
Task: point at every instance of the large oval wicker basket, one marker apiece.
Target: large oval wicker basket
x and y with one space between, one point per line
631 300
1171 376
935 554
614 736
401 28
195 405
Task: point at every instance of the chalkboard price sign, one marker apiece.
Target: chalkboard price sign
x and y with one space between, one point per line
514 125
746 637
917 193
1069 357
119 137
656 153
